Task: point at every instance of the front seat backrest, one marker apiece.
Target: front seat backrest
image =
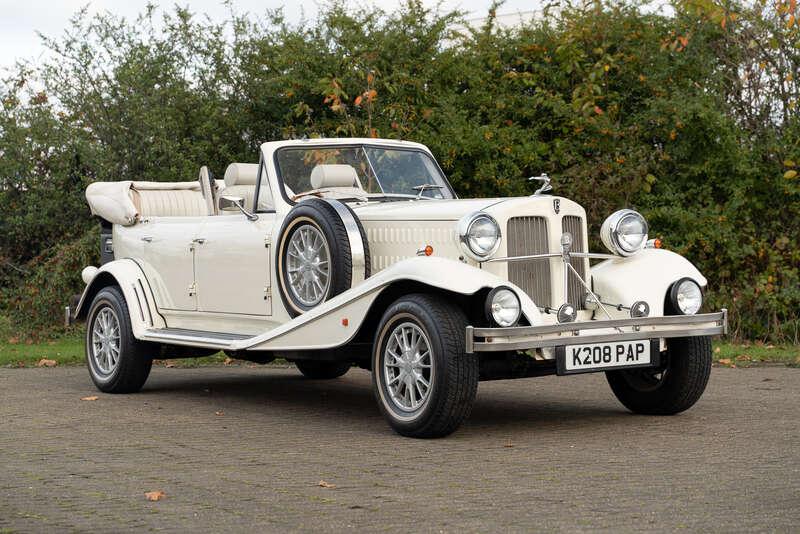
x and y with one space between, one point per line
240 181
333 175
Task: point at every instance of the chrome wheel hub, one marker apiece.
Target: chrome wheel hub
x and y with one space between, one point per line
308 265
105 341
407 367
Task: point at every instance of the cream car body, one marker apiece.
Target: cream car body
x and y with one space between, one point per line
194 275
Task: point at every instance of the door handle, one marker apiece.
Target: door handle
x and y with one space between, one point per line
147 238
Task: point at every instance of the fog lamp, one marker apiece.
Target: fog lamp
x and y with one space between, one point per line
503 307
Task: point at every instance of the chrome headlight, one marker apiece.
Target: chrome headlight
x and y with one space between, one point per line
479 235
624 232
503 307
686 297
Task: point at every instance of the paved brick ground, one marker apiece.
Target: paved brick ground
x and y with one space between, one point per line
538 454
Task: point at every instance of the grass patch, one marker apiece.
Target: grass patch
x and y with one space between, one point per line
753 354
68 350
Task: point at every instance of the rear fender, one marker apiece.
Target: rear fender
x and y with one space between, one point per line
647 276
128 276
337 321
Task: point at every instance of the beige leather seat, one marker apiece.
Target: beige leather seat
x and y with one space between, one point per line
335 181
181 199
240 181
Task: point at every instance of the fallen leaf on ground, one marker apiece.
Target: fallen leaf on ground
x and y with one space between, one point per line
154 495
169 365
91 398
508 445
219 413
323 484
228 361
44 362
13 340
724 361
717 350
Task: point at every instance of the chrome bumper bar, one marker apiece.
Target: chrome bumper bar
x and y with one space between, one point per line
534 337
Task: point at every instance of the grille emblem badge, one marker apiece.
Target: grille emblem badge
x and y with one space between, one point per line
556 205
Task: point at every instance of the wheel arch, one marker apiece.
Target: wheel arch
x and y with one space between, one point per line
647 275
471 303
129 278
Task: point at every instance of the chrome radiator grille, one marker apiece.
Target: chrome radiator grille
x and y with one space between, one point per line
575 291
528 235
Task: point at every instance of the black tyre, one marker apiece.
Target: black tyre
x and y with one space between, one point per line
322 370
117 362
672 388
314 259
423 380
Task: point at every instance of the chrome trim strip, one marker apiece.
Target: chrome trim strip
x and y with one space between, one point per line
139 302
590 255
199 339
530 337
357 247
598 338
525 258
146 300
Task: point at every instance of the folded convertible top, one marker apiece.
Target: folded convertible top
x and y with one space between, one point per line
113 201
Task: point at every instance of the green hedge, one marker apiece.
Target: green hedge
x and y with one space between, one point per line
690 118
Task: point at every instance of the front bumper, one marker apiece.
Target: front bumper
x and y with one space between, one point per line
534 337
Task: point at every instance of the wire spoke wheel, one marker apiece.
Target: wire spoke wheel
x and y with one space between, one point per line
105 344
308 265
407 367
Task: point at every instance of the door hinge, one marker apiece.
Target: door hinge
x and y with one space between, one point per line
192 289
267 241
267 293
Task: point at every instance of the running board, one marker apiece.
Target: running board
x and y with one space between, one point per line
193 338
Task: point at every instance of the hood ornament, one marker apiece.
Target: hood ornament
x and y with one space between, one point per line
546 187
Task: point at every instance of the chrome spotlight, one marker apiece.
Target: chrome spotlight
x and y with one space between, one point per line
567 313
640 309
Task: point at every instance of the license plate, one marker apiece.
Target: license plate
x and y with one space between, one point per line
607 356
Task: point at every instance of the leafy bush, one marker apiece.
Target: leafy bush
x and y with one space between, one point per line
691 118
36 304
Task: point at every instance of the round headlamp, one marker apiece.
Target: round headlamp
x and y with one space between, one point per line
624 232
503 307
479 235
685 297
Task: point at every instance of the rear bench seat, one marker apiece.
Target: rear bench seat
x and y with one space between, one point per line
182 199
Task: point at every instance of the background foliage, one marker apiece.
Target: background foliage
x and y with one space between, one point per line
690 117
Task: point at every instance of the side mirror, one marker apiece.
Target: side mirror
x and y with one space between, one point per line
231 203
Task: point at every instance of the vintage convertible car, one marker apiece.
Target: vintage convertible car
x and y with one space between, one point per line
331 253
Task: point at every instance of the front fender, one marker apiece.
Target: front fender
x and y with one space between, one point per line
126 274
323 327
647 275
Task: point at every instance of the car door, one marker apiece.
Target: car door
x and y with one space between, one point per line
232 265
168 252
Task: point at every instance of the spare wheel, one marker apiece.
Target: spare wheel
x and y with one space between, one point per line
322 251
